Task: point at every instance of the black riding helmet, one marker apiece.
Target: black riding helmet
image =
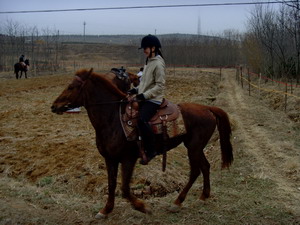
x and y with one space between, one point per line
150 41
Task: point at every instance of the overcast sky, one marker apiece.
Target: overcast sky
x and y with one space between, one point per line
212 19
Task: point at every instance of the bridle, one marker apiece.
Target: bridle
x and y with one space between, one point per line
78 78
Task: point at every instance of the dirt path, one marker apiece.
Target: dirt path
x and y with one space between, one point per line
275 153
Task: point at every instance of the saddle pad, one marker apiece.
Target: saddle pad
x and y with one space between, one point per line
129 121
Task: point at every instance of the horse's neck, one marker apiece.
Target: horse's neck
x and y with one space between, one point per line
102 107
122 85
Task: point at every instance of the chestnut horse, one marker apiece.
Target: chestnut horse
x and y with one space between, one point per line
102 98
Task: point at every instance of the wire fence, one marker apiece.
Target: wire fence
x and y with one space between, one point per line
257 84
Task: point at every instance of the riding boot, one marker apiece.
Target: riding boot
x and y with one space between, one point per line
148 139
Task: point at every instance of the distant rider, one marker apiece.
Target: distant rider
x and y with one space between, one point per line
21 60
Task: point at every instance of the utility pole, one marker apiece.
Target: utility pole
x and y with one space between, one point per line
84 23
199 26
56 49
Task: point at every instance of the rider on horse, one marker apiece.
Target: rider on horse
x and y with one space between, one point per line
22 65
21 61
150 92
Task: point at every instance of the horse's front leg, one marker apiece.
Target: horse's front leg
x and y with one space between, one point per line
127 171
112 172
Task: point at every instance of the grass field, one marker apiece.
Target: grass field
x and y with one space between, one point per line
52 173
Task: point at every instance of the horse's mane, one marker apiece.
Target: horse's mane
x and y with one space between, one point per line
85 74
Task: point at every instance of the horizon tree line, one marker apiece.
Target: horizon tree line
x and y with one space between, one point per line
271 45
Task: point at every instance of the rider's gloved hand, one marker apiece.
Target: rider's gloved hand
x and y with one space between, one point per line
132 91
140 97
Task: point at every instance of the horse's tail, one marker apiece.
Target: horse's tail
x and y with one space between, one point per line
224 128
15 67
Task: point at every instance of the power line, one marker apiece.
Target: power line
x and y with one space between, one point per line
148 7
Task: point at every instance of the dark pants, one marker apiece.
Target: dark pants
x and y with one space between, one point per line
147 110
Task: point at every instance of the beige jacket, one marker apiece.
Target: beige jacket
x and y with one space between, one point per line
152 84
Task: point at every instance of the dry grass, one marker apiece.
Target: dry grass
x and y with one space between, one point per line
51 172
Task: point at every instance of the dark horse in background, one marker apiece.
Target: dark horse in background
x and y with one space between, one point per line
23 67
102 99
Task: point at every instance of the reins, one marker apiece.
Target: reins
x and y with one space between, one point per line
110 102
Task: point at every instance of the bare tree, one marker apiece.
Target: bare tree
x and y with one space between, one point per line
293 27
276 33
42 48
197 50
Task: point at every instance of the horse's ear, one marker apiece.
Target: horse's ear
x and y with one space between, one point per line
91 71
87 74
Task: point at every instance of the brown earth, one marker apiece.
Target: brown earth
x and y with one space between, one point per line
51 172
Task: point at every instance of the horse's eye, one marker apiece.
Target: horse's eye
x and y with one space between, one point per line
70 88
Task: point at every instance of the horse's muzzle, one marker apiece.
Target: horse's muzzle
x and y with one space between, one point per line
57 110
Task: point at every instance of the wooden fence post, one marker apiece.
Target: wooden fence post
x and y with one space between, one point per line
285 98
239 76
174 69
35 69
249 81
259 80
242 77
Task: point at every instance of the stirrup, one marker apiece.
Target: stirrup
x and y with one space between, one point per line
145 160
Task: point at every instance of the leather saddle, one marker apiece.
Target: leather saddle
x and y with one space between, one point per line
167 114
120 73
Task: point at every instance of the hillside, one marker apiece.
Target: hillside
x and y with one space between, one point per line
123 39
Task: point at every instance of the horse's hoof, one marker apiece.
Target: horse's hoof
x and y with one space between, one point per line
203 197
174 208
148 211
100 216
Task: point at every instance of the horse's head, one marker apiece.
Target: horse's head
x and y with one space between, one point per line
27 62
71 97
134 79
123 80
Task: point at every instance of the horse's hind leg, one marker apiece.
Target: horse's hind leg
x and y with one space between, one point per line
112 171
25 75
205 167
194 173
127 171
198 164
